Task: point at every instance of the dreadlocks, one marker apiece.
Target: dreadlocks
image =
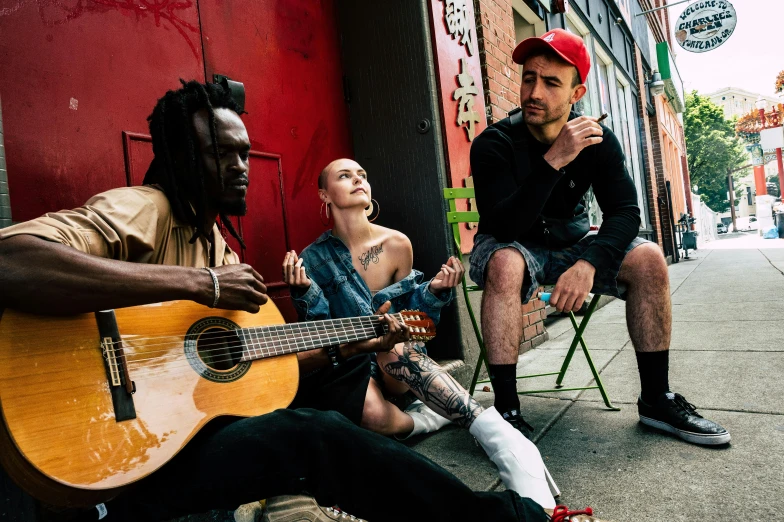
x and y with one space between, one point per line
177 166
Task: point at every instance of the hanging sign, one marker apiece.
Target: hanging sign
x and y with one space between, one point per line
757 156
705 25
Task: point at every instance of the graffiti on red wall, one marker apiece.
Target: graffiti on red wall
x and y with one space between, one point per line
58 12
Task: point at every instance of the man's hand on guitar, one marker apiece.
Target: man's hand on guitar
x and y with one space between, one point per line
396 333
241 288
293 271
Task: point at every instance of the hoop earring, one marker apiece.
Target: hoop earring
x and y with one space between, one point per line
321 212
369 210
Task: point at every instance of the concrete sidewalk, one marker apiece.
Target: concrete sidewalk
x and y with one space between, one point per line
728 330
727 358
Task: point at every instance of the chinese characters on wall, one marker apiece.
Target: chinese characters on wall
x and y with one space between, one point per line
466 115
456 18
459 27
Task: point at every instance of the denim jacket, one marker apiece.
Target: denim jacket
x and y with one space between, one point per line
337 290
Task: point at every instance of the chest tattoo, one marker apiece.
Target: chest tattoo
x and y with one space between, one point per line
370 255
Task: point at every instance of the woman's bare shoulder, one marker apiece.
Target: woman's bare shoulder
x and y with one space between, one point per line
393 240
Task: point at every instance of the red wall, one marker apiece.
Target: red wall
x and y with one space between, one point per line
80 78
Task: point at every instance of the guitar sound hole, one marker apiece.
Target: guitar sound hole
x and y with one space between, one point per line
220 349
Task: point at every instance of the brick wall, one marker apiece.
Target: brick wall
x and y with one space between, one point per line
652 184
496 38
5 201
534 333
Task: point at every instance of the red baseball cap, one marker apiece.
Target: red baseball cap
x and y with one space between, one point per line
567 45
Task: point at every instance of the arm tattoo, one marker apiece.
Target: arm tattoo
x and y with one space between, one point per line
434 386
370 255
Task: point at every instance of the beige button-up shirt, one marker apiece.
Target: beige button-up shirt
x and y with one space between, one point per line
133 224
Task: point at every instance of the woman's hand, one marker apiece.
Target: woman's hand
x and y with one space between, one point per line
293 271
449 277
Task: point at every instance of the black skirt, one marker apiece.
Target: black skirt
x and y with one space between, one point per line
342 389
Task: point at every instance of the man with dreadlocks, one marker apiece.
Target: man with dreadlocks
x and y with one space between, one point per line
139 245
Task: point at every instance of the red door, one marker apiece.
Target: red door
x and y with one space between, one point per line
80 78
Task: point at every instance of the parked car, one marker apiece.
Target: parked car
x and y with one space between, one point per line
721 228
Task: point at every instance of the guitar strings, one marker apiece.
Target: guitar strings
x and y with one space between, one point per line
262 341
306 324
230 357
281 346
251 339
263 336
237 350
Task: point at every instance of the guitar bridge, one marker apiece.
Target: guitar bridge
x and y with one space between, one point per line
120 385
107 345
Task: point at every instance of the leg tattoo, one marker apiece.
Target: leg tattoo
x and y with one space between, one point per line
433 385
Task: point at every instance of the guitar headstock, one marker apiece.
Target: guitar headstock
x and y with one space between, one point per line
422 327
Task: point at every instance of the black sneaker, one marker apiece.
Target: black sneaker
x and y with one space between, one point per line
674 414
517 421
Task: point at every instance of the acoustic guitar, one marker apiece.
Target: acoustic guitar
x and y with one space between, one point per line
93 402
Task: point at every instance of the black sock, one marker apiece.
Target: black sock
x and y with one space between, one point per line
654 368
504 380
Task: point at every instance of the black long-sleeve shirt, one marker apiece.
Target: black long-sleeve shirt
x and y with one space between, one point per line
516 187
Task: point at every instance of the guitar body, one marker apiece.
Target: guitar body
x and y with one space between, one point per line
60 439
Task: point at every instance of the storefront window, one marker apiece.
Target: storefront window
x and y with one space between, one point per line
584 107
604 93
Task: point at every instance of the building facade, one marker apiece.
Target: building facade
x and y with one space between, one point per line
738 102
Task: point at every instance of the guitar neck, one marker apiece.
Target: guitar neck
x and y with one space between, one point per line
269 341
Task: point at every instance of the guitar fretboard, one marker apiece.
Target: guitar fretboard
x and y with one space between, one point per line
269 341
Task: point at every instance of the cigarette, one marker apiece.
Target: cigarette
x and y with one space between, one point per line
602 117
299 263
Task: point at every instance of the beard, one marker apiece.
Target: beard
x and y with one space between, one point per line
238 207
546 115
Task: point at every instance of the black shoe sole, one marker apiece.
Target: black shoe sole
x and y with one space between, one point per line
712 439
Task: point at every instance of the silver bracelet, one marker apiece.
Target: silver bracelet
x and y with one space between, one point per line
215 285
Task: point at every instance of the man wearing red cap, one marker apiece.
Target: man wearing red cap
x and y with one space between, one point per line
532 171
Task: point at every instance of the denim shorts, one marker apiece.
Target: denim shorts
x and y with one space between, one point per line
544 266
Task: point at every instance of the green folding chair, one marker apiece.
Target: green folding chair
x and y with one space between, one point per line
455 218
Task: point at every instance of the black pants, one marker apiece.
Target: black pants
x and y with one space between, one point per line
319 453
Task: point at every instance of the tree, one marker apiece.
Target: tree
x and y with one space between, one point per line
712 149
